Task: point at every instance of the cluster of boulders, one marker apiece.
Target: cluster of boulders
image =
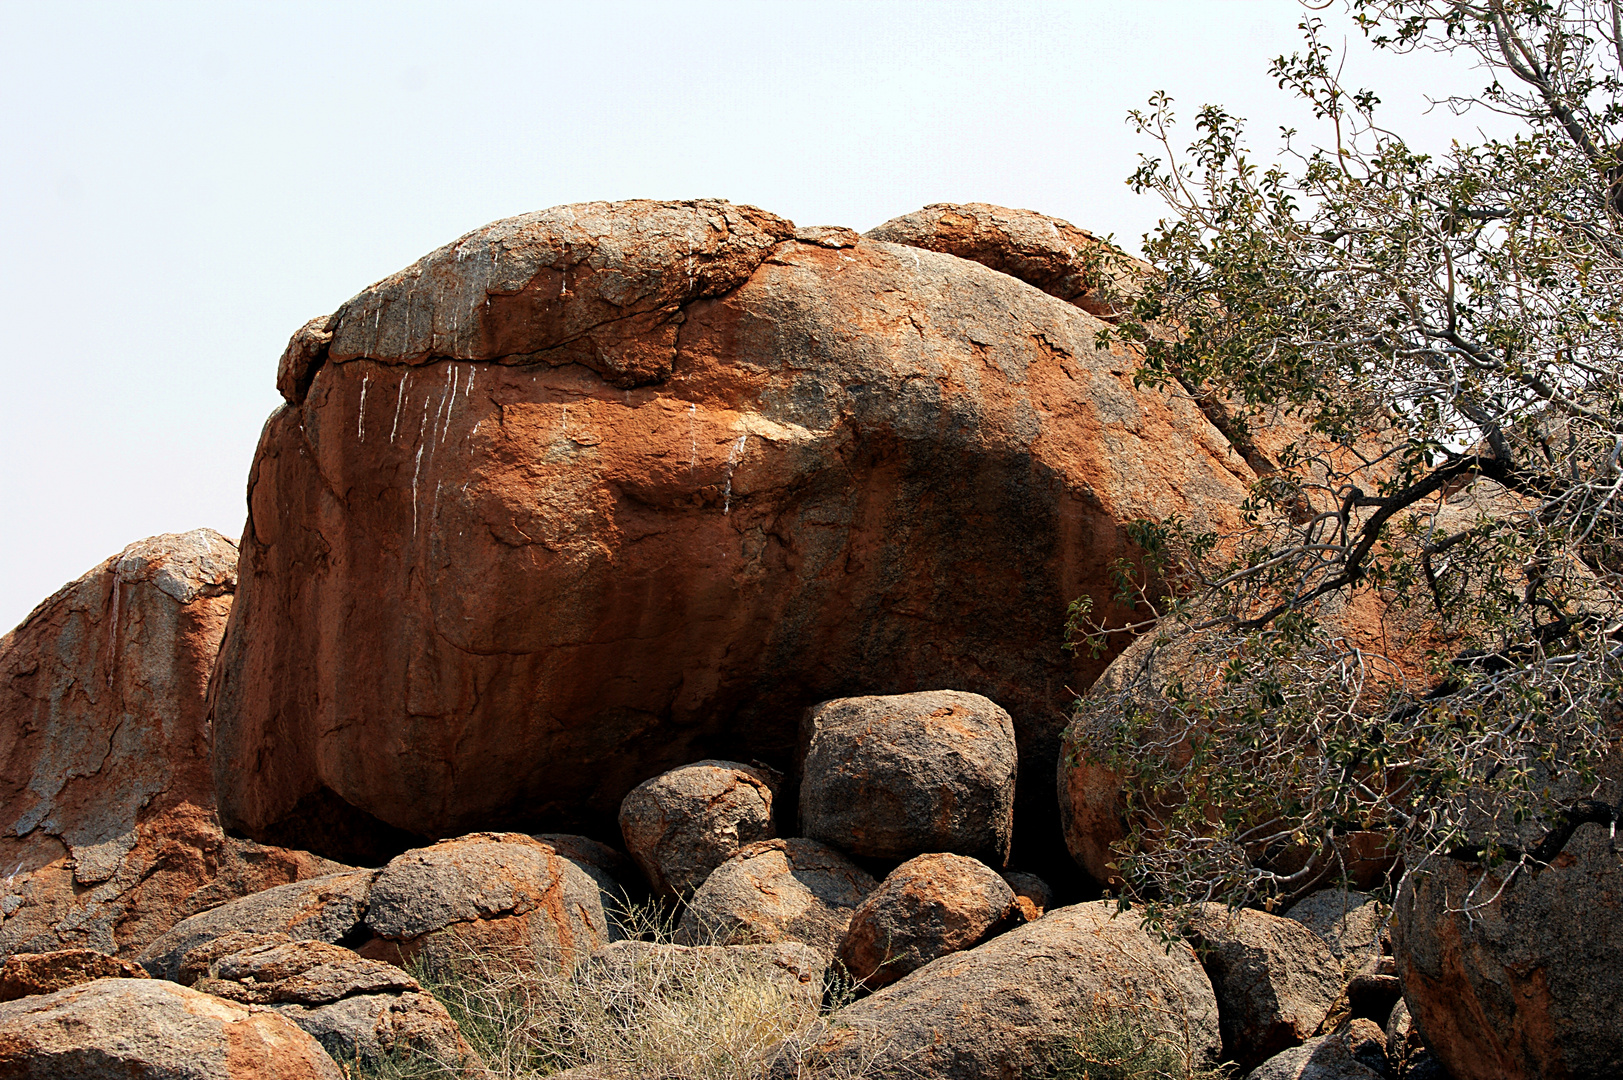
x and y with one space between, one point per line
658 526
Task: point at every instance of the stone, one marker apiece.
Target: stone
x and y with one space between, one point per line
989 1011
1275 979
1032 895
360 1010
590 855
777 890
797 970
499 893
1407 1054
1047 252
682 824
108 835
1526 983
927 907
24 974
1352 923
154 1030
328 908
1355 1052
541 590
901 775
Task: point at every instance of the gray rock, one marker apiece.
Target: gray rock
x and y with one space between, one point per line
1352 923
988 1011
777 890
682 824
1355 1052
1526 983
1406 1051
903 775
154 1030
1032 895
328 908
506 892
925 908
1275 979
360 1010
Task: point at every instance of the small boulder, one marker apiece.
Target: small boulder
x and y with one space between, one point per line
897 776
1352 923
987 1012
1407 1054
25 974
503 892
926 908
154 1030
1356 1051
777 890
1032 895
1274 978
327 908
795 970
359 1009
682 824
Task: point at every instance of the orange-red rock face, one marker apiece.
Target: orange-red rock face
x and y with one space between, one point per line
504 588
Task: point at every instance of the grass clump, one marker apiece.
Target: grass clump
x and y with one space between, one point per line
1114 1045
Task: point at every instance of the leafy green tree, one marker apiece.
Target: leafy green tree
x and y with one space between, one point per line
1422 356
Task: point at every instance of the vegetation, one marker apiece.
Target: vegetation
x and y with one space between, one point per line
1113 1045
1423 358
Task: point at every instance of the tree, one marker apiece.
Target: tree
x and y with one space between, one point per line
1434 347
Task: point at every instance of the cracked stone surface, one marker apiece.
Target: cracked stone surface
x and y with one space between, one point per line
682 824
108 834
593 493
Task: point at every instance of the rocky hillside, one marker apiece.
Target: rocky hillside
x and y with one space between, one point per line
669 557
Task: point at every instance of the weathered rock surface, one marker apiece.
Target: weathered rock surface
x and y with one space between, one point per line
1355 1052
592 855
328 908
154 1030
682 824
24 974
1032 895
1528 983
502 893
902 775
927 907
985 1012
107 829
1407 1054
777 890
1052 254
1275 979
598 491
1353 924
358 1009
797 970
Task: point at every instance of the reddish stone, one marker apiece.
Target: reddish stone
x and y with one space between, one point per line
46 973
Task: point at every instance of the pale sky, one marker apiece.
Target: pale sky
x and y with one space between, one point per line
184 185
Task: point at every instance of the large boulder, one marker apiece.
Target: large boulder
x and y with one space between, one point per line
1275 979
154 1030
682 824
901 775
925 908
108 835
777 890
990 1011
329 908
360 1010
502 893
600 490
1517 979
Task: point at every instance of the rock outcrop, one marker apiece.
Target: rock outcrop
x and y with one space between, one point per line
924 909
506 894
108 835
1526 982
989 1011
597 491
777 890
682 824
360 1010
24 974
896 776
154 1030
1275 979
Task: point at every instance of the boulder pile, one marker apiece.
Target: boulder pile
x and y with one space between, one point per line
662 594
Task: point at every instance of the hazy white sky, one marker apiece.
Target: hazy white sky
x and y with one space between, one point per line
184 185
